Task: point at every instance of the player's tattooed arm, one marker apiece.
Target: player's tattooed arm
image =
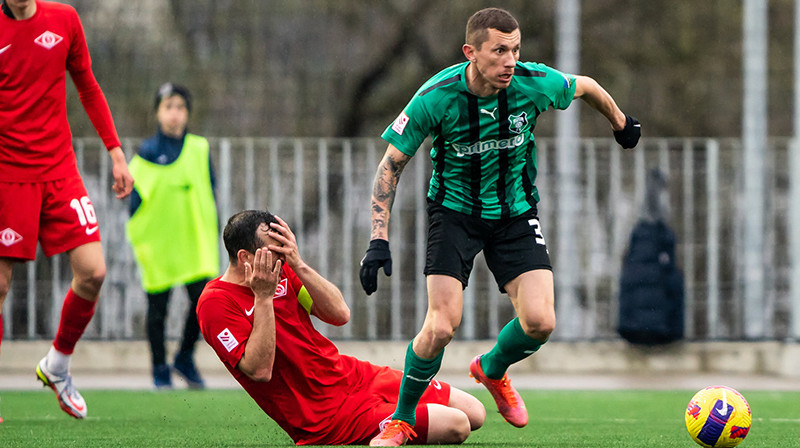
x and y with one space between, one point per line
384 189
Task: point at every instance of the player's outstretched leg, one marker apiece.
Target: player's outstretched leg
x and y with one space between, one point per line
395 433
69 398
508 400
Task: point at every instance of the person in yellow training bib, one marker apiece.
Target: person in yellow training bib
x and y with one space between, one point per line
173 227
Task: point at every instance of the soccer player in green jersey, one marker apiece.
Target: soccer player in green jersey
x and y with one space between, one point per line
480 115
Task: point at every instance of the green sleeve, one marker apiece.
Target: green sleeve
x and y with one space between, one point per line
411 127
561 87
558 88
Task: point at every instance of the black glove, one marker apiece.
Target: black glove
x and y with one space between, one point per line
628 136
377 255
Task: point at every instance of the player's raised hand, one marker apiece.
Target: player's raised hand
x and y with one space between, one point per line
281 233
264 274
628 136
378 255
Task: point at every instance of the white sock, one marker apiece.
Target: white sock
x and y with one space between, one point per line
57 362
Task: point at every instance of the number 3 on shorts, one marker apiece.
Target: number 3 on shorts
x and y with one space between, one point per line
85 211
534 223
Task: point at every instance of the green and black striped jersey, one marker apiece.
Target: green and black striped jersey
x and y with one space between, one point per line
484 153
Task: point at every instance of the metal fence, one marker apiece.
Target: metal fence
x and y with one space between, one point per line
321 187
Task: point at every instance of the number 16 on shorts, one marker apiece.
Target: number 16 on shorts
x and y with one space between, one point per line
85 210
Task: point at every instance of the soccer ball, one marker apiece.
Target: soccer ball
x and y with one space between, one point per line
718 416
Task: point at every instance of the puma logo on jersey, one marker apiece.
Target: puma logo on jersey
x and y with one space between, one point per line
48 39
491 114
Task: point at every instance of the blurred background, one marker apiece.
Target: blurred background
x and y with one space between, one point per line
315 68
294 94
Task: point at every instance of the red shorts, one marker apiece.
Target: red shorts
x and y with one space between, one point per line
381 401
58 214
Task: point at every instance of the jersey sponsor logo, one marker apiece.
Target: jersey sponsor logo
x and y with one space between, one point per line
227 339
9 237
3 50
519 123
281 289
489 145
48 39
400 123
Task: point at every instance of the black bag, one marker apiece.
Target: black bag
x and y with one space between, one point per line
651 293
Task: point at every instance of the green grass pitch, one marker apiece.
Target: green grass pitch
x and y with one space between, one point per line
229 418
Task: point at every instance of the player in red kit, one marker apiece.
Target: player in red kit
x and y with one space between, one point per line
257 318
42 196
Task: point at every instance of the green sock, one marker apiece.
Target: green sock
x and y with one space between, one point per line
512 345
417 374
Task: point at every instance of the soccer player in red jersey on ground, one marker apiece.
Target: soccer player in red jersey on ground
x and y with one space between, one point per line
42 196
257 318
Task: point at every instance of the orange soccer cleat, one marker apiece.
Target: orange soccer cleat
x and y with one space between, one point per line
395 433
508 401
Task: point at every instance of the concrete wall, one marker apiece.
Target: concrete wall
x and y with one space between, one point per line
774 359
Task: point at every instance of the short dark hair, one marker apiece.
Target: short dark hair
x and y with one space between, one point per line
169 89
495 18
240 231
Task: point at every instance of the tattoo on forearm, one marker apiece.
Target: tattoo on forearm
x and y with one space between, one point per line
384 190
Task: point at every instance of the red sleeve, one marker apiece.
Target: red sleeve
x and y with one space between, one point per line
96 107
79 65
224 327
294 280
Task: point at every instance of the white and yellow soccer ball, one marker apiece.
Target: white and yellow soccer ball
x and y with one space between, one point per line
718 416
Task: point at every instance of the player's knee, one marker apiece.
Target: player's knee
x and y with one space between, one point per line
90 282
5 287
459 429
476 415
443 332
539 329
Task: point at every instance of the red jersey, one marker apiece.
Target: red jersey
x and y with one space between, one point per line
35 139
311 380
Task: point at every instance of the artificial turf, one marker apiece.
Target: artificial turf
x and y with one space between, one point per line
229 418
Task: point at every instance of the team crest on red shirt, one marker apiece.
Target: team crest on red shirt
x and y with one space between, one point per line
9 236
48 39
280 290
